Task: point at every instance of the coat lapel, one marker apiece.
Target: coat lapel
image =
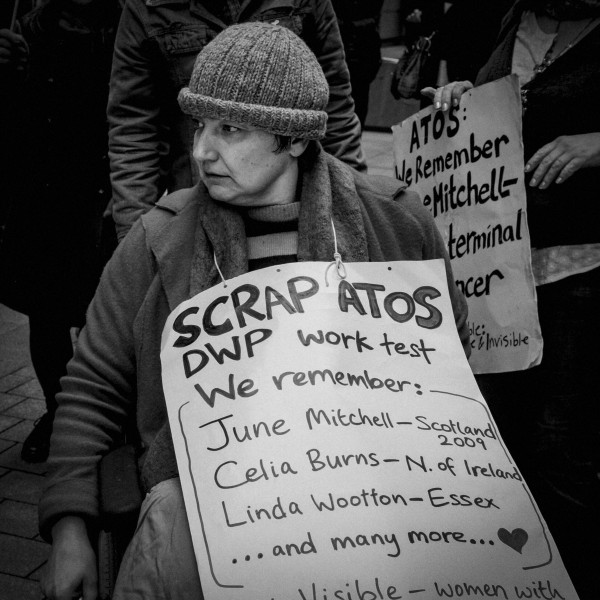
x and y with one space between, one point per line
220 237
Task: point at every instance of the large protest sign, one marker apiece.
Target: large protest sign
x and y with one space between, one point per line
467 166
332 444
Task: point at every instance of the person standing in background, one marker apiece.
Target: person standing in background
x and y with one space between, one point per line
359 26
56 68
423 19
549 415
466 37
150 141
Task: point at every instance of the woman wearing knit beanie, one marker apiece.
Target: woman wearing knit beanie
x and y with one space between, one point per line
252 83
268 195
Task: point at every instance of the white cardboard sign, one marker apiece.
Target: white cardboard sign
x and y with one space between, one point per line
333 445
467 166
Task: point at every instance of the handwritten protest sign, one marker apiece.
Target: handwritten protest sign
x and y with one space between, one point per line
467 166
332 444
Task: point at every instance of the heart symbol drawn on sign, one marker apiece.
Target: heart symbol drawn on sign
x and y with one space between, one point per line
516 540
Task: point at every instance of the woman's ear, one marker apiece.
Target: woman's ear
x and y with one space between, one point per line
298 146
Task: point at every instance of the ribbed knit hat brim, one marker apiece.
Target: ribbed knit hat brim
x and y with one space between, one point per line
308 124
262 75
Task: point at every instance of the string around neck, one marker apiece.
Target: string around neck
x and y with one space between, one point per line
550 59
219 270
337 260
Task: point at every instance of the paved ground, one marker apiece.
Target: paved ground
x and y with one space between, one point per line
377 147
22 552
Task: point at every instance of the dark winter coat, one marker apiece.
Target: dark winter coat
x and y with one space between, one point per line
157 44
56 176
559 101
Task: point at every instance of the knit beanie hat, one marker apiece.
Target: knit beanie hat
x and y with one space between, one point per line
261 75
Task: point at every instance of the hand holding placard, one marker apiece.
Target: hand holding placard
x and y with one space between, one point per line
467 167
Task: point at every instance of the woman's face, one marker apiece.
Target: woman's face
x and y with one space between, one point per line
238 164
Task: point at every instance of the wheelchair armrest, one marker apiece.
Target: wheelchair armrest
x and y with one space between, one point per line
120 491
120 501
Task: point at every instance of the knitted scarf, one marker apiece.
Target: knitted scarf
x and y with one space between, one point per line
328 194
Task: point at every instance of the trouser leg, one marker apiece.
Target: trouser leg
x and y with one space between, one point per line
51 349
160 562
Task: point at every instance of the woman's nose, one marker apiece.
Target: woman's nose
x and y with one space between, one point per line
204 148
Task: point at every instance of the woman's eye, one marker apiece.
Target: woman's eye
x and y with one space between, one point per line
230 128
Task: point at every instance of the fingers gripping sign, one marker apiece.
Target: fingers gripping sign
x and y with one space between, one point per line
448 95
13 49
561 158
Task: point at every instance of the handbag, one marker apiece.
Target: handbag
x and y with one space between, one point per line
408 74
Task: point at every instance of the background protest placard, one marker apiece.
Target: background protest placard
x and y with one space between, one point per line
333 445
467 166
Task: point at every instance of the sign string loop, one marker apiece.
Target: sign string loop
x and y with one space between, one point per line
337 260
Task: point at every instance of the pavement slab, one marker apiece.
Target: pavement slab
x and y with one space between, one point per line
16 378
11 459
18 518
5 444
8 400
14 354
17 432
30 389
23 487
20 556
30 408
8 422
19 588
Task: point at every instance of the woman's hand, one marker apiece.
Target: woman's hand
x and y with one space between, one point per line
14 51
558 160
416 16
71 570
448 95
